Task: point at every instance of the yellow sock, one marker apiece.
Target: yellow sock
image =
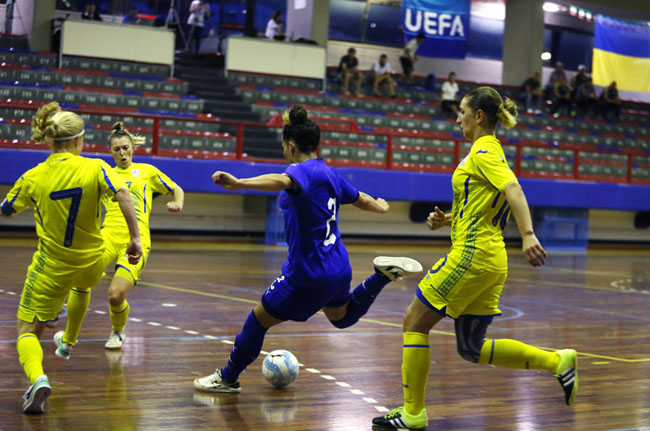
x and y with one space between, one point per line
30 355
415 370
78 302
515 354
119 316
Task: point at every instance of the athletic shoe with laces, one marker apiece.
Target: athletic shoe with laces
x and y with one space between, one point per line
115 340
398 418
215 383
567 374
396 268
35 396
63 350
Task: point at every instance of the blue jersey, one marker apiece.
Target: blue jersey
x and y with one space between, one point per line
310 210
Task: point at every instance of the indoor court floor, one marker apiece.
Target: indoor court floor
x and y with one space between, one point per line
195 295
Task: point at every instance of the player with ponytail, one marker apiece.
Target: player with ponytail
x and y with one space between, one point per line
143 181
466 284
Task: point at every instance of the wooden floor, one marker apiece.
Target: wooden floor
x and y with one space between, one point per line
195 296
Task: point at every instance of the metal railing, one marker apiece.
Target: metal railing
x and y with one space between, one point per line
333 124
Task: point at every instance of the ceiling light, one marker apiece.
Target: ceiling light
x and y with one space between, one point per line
551 7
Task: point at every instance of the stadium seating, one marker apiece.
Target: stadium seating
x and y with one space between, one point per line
420 138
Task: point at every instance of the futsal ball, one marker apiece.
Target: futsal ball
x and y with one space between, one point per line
280 368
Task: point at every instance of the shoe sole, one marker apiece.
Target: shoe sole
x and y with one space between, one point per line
107 347
216 390
408 265
37 403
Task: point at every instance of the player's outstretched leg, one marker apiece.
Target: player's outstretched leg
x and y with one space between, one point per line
387 269
474 347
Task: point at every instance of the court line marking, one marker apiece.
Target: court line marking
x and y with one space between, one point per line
378 322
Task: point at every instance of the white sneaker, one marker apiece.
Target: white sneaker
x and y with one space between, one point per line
63 350
35 396
215 383
396 268
115 340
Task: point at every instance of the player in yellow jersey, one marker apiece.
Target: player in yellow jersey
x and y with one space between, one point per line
144 181
64 192
466 284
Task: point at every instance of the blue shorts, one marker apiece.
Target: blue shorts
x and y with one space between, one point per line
298 300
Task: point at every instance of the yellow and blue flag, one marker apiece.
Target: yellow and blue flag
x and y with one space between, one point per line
621 54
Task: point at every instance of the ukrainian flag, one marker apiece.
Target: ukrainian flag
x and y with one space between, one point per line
621 54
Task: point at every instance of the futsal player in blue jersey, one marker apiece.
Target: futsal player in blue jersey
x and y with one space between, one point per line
317 272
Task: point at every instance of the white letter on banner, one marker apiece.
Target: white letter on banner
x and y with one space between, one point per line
418 21
443 23
430 23
457 26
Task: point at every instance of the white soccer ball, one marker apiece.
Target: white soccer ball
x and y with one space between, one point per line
280 367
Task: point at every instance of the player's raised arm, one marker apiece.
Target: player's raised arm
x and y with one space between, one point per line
267 182
368 203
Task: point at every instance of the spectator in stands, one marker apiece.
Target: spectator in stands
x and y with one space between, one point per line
555 77
382 75
408 57
610 103
531 93
449 91
349 65
91 13
562 97
132 17
199 11
274 27
578 79
586 99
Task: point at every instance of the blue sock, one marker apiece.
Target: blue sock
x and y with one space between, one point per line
248 344
361 299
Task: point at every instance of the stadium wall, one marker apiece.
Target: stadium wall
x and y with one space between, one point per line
209 208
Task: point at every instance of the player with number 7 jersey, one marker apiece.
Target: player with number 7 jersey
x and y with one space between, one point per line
65 194
317 272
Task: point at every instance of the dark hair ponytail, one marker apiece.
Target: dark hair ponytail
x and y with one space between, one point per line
300 129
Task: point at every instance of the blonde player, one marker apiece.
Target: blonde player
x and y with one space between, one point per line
466 284
143 181
64 192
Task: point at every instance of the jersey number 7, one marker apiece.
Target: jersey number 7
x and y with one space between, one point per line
75 195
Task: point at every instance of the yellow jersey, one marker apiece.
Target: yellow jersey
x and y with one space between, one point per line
480 210
143 181
65 193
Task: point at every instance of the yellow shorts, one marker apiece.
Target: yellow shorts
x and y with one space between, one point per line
48 283
454 287
115 253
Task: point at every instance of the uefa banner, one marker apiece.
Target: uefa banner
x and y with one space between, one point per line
621 54
445 23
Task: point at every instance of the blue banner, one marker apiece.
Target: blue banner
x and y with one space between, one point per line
445 23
